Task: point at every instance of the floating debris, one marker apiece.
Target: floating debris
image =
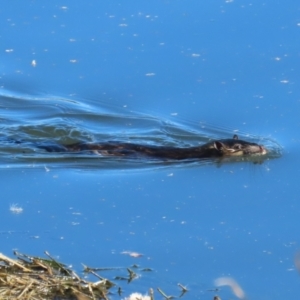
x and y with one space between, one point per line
29 277
235 287
184 289
164 295
35 278
132 254
139 296
15 209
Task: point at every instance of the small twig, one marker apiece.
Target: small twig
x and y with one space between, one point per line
164 295
13 262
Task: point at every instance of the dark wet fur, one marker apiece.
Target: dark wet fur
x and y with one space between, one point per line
215 149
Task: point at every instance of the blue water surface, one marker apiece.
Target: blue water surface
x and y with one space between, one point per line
167 73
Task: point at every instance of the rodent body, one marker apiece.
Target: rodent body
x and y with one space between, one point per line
214 149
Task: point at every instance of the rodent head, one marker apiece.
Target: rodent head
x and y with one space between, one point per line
236 147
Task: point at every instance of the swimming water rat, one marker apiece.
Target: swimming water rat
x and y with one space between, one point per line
215 149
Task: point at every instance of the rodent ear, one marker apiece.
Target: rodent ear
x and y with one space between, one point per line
218 145
235 137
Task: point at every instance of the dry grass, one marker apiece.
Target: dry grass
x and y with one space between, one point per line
36 278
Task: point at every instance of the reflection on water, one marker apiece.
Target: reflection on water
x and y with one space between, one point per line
29 122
